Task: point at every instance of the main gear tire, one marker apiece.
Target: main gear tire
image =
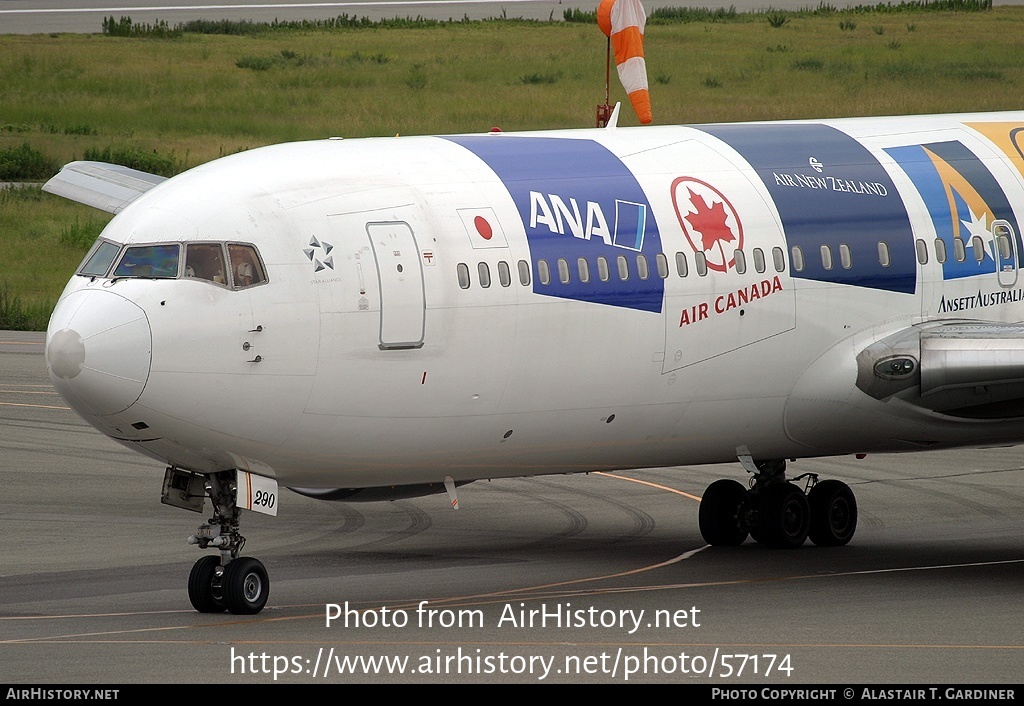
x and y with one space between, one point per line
721 514
833 513
783 516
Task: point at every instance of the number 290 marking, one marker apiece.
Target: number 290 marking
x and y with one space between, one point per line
264 499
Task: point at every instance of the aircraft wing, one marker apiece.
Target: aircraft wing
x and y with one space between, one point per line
108 187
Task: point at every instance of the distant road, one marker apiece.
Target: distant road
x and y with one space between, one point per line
86 16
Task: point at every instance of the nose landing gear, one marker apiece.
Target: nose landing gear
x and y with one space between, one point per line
229 582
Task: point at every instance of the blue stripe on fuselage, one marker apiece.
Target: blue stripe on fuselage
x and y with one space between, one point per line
578 200
830 190
950 213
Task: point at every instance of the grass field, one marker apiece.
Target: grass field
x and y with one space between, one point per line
175 103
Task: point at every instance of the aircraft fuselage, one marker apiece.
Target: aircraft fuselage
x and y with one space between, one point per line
519 304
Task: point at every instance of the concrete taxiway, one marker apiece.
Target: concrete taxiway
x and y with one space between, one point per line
530 580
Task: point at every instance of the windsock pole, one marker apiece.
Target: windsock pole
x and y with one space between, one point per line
604 112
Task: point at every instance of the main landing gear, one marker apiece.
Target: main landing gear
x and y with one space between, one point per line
229 582
777 512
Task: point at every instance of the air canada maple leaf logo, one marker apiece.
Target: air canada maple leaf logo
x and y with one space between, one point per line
708 220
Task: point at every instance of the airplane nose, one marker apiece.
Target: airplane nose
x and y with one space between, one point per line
98 351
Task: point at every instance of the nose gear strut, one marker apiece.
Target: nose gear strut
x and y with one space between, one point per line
229 582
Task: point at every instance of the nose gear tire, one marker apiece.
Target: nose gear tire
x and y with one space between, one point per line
204 586
245 585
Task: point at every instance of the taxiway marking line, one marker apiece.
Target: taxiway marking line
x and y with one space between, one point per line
647 482
37 406
28 392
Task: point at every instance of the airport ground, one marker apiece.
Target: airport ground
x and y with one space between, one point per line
93 575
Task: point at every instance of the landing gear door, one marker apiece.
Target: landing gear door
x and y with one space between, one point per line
400 275
1004 247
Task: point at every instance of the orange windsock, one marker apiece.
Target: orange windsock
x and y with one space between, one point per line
624 22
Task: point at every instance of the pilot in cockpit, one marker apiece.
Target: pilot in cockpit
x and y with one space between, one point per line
205 262
243 273
245 265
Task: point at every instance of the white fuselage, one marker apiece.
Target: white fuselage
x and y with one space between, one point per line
374 355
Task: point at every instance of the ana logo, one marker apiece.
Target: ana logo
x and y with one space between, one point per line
577 202
320 261
708 220
588 221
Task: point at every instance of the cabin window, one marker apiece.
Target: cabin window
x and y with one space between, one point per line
543 272
584 268
741 261
1005 251
798 258
845 257
246 268
922 251
643 270
940 250
150 261
602 268
759 265
701 263
623 267
779 259
681 266
979 248
99 260
662 264
504 275
563 270
484 274
826 257
463 270
524 273
959 249
883 254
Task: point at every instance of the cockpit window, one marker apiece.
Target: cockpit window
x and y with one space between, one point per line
98 262
246 268
149 261
234 265
205 261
